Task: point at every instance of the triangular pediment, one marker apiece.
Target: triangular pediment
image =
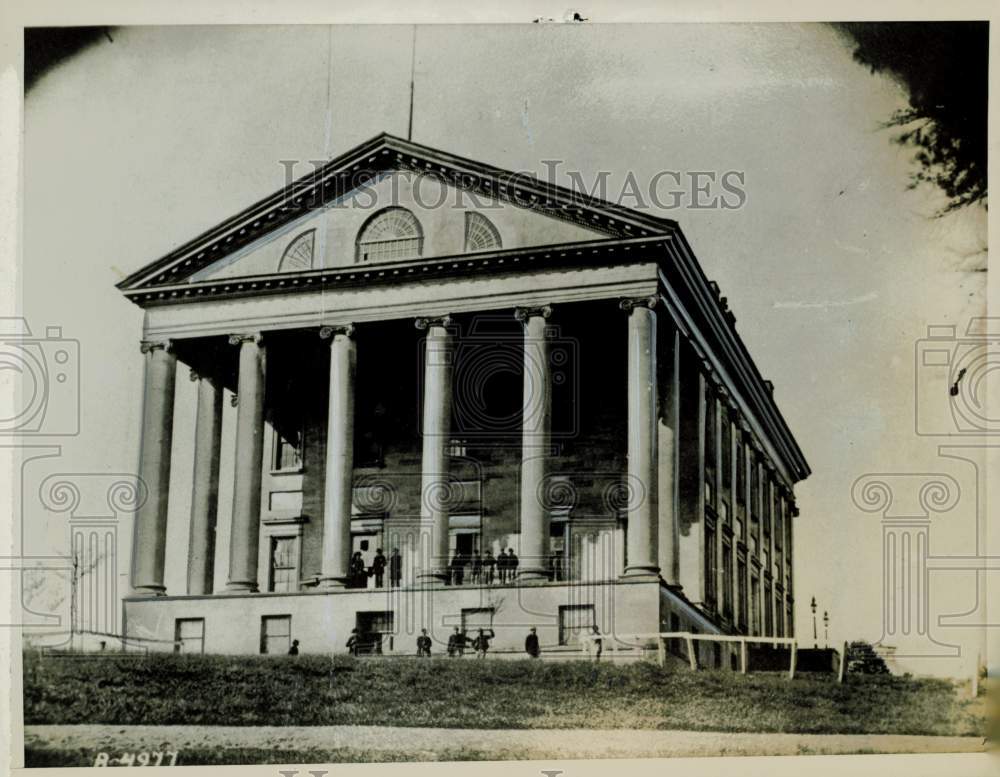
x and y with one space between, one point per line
436 218
458 205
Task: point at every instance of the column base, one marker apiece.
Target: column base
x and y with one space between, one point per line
641 573
437 576
332 582
149 590
531 573
245 587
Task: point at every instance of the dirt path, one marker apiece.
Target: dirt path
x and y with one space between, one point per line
502 744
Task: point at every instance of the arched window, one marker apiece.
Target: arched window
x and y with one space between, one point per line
393 233
480 234
299 254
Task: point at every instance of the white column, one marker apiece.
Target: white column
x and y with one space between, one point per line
436 430
245 534
205 488
149 541
643 543
668 436
536 432
339 457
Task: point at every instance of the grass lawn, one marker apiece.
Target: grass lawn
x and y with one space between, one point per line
166 689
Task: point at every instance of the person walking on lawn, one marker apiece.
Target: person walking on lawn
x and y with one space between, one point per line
456 644
531 644
481 643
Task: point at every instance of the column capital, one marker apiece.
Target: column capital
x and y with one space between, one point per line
427 322
146 346
246 337
631 303
522 314
329 332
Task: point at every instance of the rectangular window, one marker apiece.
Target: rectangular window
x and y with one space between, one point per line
275 634
768 609
284 562
287 448
474 618
754 605
727 580
741 473
754 487
727 451
741 575
189 635
711 565
711 448
779 615
574 621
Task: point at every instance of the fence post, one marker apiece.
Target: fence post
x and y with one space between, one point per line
842 669
975 676
791 669
743 656
692 658
661 651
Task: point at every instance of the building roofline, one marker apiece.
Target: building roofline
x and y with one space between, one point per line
355 168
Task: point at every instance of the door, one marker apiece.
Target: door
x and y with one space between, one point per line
375 632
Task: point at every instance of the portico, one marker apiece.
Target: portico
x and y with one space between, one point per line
585 403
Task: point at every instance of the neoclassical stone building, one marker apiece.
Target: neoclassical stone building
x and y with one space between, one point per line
447 362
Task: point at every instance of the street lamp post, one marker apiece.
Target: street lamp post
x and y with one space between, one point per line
826 629
812 606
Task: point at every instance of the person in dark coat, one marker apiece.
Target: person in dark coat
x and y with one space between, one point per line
457 568
378 567
423 644
502 566
481 643
531 644
395 568
489 567
477 568
456 643
357 570
352 643
512 562
294 649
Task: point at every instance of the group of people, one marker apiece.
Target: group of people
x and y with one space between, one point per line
484 569
480 569
457 641
359 573
592 643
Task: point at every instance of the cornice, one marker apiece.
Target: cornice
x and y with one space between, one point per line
490 263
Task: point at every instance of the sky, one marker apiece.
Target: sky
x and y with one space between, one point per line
833 268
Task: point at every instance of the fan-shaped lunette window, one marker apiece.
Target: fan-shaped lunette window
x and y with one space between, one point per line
393 233
480 234
299 254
